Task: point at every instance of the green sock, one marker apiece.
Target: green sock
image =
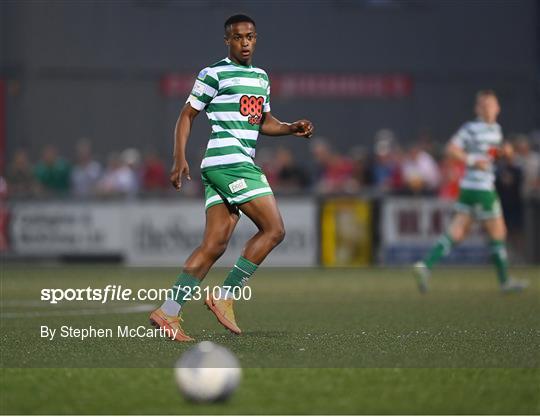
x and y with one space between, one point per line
442 248
184 287
500 259
239 274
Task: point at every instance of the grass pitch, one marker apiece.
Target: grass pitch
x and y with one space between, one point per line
337 341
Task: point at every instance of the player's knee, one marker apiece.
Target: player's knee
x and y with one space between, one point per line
457 235
503 232
500 233
277 235
215 249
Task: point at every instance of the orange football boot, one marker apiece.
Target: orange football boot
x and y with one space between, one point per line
169 324
223 310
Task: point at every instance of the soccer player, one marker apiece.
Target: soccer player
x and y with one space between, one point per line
236 97
477 144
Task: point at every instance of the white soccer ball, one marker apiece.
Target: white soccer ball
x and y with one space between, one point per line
207 373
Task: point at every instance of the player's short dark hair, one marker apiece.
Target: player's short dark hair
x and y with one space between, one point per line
486 93
237 18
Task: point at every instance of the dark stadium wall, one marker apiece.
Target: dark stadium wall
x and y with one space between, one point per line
92 69
2 126
3 39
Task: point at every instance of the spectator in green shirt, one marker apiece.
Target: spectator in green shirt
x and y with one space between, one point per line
52 172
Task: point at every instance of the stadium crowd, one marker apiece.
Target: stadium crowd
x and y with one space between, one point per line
387 168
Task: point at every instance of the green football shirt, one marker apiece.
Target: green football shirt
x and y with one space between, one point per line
477 138
234 98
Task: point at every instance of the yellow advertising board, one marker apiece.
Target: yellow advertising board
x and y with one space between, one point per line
346 232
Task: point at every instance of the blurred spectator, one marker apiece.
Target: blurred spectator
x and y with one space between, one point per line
3 188
452 171
509 183
420 171
86 171
52 172
154 174
362 169
131 158
386 172
20 177
266 159
335 172
119 177
289 176
4 216
529 162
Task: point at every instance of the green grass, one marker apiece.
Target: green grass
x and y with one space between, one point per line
349 341
277 391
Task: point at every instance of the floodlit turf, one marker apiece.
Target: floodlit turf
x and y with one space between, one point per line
275 391
331 341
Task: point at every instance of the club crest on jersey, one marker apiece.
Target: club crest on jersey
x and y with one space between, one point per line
252 107
237 185
263 83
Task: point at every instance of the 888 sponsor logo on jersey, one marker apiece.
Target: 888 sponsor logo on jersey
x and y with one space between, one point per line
252 106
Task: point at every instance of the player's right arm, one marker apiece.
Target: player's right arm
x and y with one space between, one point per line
182 130
202 93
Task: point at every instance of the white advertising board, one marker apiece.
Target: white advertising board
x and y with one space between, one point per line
59 228
150 232
165 234
410 226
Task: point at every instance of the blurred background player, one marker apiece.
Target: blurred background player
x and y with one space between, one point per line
236 98
477 144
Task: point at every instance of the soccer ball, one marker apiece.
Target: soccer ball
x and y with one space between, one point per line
207 373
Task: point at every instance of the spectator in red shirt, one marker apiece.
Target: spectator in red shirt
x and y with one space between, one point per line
335 172
154 173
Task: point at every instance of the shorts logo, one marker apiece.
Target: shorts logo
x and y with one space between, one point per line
263 179
252 106
237 185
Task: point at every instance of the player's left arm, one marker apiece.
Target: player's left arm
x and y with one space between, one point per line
271 126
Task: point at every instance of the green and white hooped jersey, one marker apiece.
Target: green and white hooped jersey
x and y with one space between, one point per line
234 98
478 139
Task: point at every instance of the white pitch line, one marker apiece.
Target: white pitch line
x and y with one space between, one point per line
46 304
24 303
140 308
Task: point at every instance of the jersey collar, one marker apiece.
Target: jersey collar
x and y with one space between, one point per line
230 61
480 120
